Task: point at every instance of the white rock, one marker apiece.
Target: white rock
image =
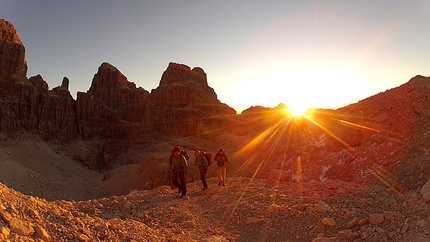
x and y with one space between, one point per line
425 191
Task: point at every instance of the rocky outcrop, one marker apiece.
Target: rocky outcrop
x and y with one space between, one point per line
183 104
18 106
13 66
56 115
114 114
40 84
97 121
113 108
29 105
17 95
111 87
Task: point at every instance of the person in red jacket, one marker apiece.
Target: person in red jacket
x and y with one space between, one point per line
221 159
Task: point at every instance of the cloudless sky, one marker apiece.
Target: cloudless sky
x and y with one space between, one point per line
321 54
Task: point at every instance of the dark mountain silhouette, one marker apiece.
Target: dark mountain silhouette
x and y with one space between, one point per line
358 172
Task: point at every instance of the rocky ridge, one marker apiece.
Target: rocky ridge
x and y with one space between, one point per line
113 116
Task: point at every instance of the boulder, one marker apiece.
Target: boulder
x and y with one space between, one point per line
425 191
376 218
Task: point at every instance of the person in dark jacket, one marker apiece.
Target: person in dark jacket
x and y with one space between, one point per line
202 162
221 159
178 168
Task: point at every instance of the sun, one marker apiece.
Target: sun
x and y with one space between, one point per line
297 110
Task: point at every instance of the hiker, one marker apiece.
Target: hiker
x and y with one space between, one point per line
202 162
178 168
221 159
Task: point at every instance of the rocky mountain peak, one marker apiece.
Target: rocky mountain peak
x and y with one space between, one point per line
179 74
8 32
109 77
419 80
185 104
65 83
13 66
40 84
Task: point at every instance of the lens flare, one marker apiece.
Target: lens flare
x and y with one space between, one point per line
297 110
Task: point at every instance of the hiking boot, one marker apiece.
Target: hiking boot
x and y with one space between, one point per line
223 184
179 192
204 188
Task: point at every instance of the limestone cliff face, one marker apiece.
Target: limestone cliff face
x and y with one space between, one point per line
18 107
29 104
112 88
98 122
183 104
13 66
113 108
56 115
17 95
40 84
114 114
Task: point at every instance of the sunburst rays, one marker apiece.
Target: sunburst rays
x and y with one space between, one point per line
279 135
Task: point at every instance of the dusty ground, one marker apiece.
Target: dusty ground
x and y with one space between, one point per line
51 200
32 167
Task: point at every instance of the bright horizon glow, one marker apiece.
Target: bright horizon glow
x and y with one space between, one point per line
319 54
297 111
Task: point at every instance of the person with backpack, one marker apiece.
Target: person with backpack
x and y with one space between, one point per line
178 169
221 159
203 164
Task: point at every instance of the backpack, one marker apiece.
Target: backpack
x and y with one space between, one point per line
208 156
184 153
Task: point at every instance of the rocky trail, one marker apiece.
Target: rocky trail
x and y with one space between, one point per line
244 210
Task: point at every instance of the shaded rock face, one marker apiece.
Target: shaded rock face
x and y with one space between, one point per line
13 66
57 115
113 108
97 121
49 113
114 114
17 95
112 88
184 104
40 84
18 106
29 104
